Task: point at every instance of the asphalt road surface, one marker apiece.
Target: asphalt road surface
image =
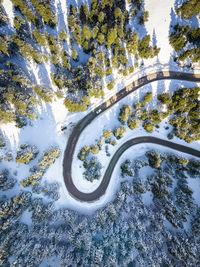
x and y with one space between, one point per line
82 124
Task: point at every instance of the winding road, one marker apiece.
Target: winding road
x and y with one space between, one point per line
82 124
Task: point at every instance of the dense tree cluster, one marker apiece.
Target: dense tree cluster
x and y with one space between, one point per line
26 153
184 105
127 169
124 114
90 163
3 16
6 182
169 170
127 231
96 33
92 169
49 190
17 99
11 209
189 9
182 108
184 39
48 158
107 41
43 8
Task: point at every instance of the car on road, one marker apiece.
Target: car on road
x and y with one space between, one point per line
98 111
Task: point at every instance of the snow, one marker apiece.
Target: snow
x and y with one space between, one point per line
53 261
158 26
138 151
194 184
7 4
108 120
46 130
26 217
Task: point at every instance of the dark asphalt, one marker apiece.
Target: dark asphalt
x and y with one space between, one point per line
82 124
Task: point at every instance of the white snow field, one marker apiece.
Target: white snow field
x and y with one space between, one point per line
158 26
9 10
46 130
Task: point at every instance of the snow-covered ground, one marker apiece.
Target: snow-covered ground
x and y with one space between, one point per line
46 130
158 26
138 151
9 10
109 120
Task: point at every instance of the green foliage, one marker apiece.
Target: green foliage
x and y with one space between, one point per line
63 36
49 157
94 149
104 28
28 13
189 9
132 44
87 34
111 85
7 116
186 119
55 60
77 35
101 17
44 10
95 92
118 132
18 22
25 159
109 71
72 22
33 179
194 35
144 115
111 37
26 154
148 97
53 46
73 106
148 126
84 14
165 98
3 46
144 49
126 169
107 134
133 123
84 152
125 112
40 38
117 12
74 55
44 94
144 17
155 116
28 51
154 159
177 41
184 37
100 38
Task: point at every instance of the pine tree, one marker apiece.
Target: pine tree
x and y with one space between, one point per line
111 37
